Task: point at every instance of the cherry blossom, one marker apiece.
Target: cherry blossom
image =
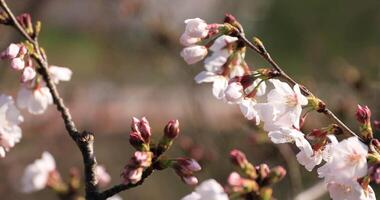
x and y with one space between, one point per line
348 162
194 54
196 28
350 192
115 197
36 175
324 153
15 53
207 190
11 52
287 103
35 100
28 74
10 118
59 74
222 42
102 176
286 135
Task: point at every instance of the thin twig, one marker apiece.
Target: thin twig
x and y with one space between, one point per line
84 140
268 58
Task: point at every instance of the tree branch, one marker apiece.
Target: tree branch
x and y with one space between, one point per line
83 140
265 54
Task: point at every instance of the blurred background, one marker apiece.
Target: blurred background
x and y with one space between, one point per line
125 59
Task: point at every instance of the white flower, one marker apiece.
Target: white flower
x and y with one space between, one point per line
350 192
220 83
186 40
313 160
286 135
222 42
194 54
196 28
207 190
348 162
248 108
35 100
17 63
60 74
102 176
115 197
11 52
36 175
287 103
215 62
234 92
28 74
10 118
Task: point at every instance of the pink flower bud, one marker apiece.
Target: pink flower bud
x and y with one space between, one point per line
102 176
136 140
172 129
229 18
28 74
187 165
194 54
190 180
11 52
142 127
23 51
235 180
363 114
142 159
17 63
238 158
132 175
376 125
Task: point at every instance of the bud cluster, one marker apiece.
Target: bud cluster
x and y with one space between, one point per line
148 154
256 181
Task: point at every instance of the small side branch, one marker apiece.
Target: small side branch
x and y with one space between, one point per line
266 56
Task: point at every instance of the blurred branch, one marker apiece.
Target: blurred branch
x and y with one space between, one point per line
293 167
312 193
260 49
84 140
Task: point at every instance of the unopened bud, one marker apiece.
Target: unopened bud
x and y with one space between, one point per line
37 29
132 175
137 141
376 125
316 104
142 127
276 174
190 180
363 114
172 129
263 170
185 168
238 158
75 179
142 159
11 52
259 44
266 193
4 19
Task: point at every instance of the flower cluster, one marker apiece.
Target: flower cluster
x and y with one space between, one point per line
279 106
147 155
33 94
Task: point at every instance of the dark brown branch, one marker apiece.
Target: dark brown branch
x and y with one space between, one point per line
83 140
268 58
